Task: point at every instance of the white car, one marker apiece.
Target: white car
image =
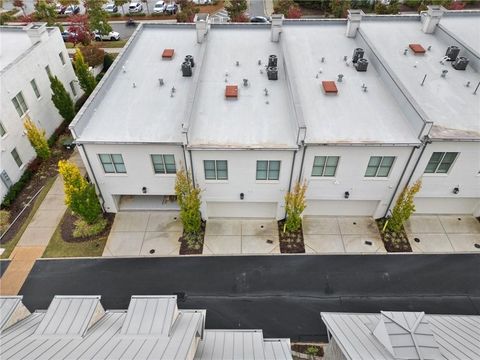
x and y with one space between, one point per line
112 35
202 2
72 10
135 7
110 8
159 7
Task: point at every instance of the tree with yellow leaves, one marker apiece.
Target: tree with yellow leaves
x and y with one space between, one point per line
404 207
37 138
294 206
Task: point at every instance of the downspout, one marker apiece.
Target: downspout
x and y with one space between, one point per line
191 166
94 177
303 159
291 175
426 141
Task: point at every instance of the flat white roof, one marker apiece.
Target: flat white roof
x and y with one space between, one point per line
14 41
464 26
352 115
448 102
253 119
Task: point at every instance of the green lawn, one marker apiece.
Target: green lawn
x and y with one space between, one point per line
57 247
36 204
102 44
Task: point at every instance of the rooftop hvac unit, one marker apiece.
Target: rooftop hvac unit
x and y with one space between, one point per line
272 61
460 63
357 54
361 65
452 52
189 58
272 73
186 69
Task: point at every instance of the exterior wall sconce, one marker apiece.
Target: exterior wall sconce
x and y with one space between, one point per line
346 195
242 196
144 189
456 190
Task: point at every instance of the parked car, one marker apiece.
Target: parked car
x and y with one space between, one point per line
259 19
135 7
171 8
202 2
72 9
68 36
159 7
110 8
112 35
60 9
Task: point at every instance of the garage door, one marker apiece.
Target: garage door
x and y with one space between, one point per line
341 207
241 209
446 205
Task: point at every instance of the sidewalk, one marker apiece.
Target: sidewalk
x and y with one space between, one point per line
37 235
107 50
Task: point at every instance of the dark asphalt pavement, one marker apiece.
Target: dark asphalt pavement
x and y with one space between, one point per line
281 294
3 266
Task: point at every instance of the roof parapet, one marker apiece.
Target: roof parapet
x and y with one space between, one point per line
202 26
432 18
353 22
276 28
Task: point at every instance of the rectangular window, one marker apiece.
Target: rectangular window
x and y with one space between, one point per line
163 164
49 72
20 104
113 163
379 166
215 169
62 59
268 170
72 86
6 179
2 130
440 162
325 166
16 157
35 88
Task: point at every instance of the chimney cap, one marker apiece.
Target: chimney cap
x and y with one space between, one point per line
201 17
355 14
435 10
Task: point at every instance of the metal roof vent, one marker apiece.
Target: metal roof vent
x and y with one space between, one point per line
361 65
272 73
272 61
357 54
245 82
452 52
340 77
460 63
187 69
444 73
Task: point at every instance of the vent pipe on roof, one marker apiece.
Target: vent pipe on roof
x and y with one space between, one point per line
432 18
354 18
202 26
36 32
276 28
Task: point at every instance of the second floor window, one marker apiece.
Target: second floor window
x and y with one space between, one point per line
113 163
440 162
325 165
2 130
16 157
62 58
35 88
72 86
215 169
379 166
163 164
268 170
20 104
49 72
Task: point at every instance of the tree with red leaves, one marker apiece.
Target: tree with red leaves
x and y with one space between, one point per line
294 12
79 30
457 5
20 4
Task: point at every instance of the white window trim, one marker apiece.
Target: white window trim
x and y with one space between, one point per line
433 174
112 173
325 177
216 180
267 180
380 177
165 174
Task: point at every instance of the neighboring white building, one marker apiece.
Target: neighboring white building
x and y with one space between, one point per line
78 327
27 55
356 148
395 335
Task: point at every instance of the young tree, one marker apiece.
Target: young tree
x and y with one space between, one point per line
79 30
80 196
282 6
294 12
120 4
236 9
93 55
294 206
45 11
37 138
97 16
62 100
188 198
85 77
404 207
20 4
188 11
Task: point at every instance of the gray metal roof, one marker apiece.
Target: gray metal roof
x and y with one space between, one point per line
8 306
405 335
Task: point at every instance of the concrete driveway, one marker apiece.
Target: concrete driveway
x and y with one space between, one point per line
241 236
443 233
137 233
353 235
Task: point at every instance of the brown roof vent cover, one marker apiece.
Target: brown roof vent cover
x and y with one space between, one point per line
231 91
329 87
168 53
417 48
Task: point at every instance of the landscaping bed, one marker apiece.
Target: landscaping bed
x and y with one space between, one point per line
290 242
303 351
394 241
197 249
68 226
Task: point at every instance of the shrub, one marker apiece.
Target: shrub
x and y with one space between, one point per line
37 138
53 139
188 198
4 220
16 188
93 55
62 100
85 77
115 14
84 229
236 9
294 206
107 61
404 207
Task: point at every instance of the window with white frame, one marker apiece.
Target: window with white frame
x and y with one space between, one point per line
215 169
440 162
16 157
20 104
163 163
49 72
35 88
112 163
2 130
325 166
268 170
379 166
62 58
72 86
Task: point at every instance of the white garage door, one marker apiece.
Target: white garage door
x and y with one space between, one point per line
446 205
241 209
341 207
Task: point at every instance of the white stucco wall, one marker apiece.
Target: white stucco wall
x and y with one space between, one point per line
42 111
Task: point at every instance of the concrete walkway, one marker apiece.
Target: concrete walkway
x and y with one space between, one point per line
37 235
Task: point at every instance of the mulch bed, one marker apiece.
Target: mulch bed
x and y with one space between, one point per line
186 250
42 171
68 225
291 243
302 348
394 241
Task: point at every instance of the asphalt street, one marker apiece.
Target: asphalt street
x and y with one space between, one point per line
283 295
